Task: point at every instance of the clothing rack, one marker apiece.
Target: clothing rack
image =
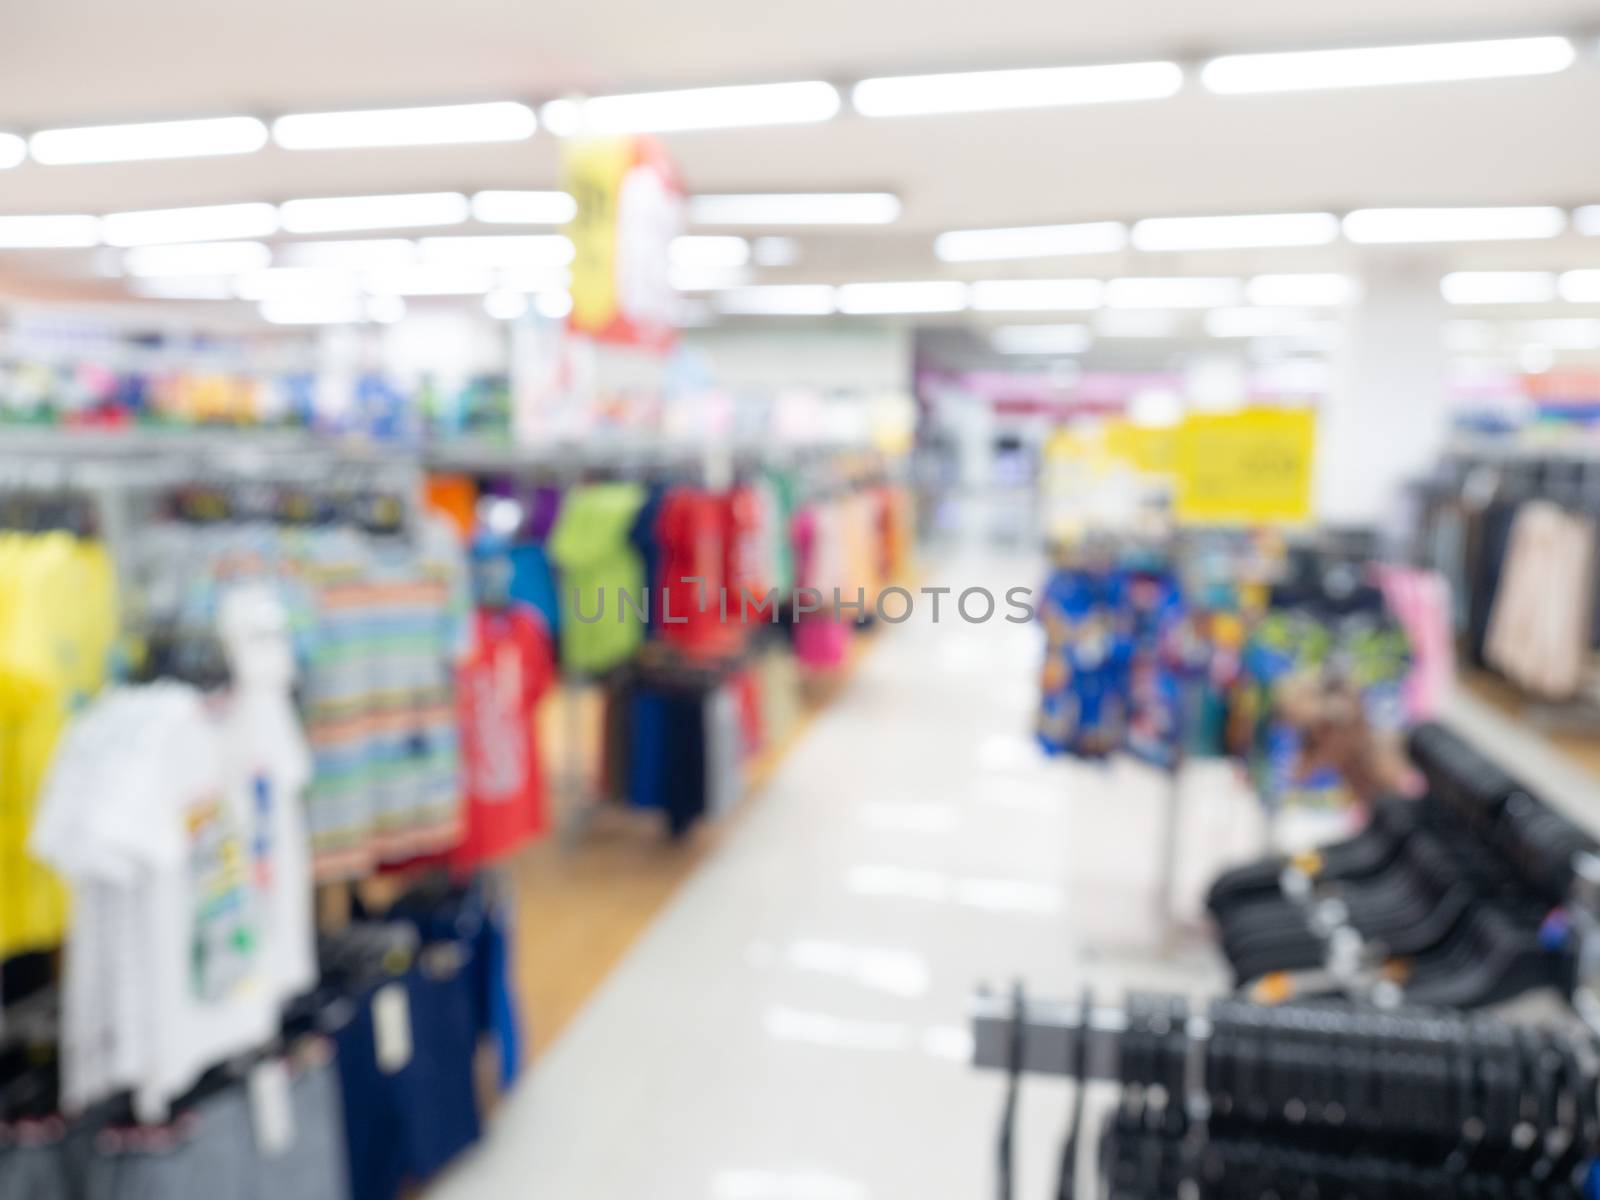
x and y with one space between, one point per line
1431 1088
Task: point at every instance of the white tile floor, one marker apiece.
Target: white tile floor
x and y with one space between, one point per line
793 1026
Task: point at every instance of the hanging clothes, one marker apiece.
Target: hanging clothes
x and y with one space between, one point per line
499 687
58 623
591 548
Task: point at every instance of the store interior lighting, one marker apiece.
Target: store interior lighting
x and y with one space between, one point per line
505 305
1562 333
385 310
1037 295
313 310
514 250
343 214
693 108
1499 287
1136 324
355 254
795 208
1580 287
1311 70
431 279
212 222
13 150
293 281
1192 291
1301 291
774 251
553 305
49 232
695 250
1040 87
437 125
1229 233
777 300
152 140
523 208
1041 339
931 296
1036 241
1401 225
1586 220
1254 322
197 258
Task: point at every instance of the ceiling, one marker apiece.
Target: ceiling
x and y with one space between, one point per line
1514 141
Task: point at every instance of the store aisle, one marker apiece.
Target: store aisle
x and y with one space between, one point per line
793 1026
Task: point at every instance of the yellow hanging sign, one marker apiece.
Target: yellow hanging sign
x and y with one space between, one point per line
1249 467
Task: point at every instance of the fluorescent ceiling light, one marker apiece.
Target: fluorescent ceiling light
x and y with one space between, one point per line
699 251
210 223
1499 287
356 254
505 305
534 278
796 208
1037 241
1310 70
1178 292
431 279
777 300
385 310
198 258
293 281
1587 220
775 251
694 108
314 310
1254 322
524 208
1232 233
931 296
1581 287
340 213
23 233
1136 324
988 91
501 121
553 306
1041 339
1565 333
1301 291
183 287
691 278
1037 295
1391 225
12 150
159 139
516 250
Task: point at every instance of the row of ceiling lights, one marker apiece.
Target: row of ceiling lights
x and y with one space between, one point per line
796 102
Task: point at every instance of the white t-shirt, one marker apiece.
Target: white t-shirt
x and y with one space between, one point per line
268 766
174 962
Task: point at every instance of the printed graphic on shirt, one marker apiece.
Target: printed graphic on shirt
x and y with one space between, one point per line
499 771
225 935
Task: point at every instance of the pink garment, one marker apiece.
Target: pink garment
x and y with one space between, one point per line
821 643
1420 601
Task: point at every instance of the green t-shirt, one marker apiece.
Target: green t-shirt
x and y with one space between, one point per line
590 546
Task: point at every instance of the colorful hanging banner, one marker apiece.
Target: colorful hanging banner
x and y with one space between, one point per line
630 207
1249 467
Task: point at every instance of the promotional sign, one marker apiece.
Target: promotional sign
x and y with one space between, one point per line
1249 467
630 207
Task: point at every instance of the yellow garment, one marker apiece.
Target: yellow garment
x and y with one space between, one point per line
57 626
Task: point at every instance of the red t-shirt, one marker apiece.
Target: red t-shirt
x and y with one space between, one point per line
497 689
692 575
745 549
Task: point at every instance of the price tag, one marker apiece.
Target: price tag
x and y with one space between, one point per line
270 1110
391 1027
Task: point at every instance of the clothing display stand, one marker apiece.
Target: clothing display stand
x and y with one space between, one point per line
1240 1088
